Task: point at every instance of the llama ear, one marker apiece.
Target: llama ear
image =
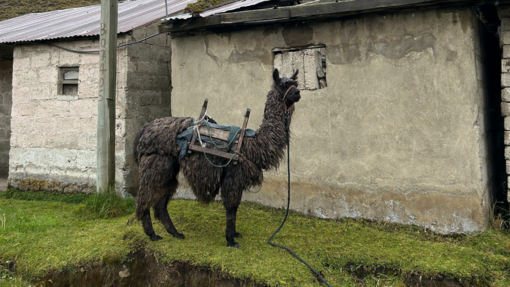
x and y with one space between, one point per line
276 76
294 77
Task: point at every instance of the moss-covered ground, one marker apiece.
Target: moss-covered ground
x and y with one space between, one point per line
54 234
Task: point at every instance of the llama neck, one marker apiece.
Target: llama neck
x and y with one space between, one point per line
271 137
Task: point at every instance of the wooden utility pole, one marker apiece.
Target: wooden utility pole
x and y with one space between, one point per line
106 100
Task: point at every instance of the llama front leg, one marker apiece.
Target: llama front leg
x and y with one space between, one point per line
147 226
230 232
231 201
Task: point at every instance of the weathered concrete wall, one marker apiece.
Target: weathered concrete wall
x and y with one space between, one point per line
5 115
147 92
398 133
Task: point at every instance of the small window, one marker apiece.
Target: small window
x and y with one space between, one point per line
310 61
68 82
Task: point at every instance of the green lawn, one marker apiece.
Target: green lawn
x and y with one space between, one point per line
52 235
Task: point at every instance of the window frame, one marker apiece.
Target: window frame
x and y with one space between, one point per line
62 82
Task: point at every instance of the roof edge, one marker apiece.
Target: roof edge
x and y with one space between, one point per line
293 13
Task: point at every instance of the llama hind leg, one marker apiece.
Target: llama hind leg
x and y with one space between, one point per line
147 226
161 211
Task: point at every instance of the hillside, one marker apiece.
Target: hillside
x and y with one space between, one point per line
14 8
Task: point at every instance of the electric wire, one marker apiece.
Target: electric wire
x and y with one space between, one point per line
97 51
317 274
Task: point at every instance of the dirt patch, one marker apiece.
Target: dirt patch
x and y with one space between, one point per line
143 269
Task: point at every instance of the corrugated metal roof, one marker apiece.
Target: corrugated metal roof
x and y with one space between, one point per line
231 6
84 21
221 9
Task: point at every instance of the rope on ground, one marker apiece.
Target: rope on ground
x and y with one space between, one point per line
317 274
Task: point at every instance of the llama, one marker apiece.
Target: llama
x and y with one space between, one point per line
156 153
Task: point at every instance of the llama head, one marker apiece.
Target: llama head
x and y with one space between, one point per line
287 88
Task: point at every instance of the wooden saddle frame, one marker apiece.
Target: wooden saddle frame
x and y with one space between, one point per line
194 145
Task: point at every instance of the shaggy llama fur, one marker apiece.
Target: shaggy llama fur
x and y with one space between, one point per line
156 153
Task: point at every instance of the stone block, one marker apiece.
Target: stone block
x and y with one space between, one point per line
505 65
505 109
41 59
505 95
506 51
287 59
504 38
92 59
278 61
6 84
83 45
507 123
5 110
4 157
55 57
138 34
312 59
48 75
45 91
159 40
4 145
507 137
21 64
159 54
508 167
69 58
83 108
504 11
145 81
505 24
505 80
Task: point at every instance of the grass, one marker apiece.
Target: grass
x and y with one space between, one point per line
50 235
106 205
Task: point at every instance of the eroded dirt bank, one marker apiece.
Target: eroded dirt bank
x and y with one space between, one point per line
143 269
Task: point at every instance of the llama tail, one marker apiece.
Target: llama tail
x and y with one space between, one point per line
141 206
135 144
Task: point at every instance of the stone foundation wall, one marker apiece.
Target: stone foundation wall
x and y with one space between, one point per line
5 115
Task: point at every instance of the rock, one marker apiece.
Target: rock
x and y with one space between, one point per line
124 273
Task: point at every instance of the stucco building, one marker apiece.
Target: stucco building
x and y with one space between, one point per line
399 118
49 86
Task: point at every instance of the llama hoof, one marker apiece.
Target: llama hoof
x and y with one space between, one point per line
238 235
235 245
179 236
155 237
